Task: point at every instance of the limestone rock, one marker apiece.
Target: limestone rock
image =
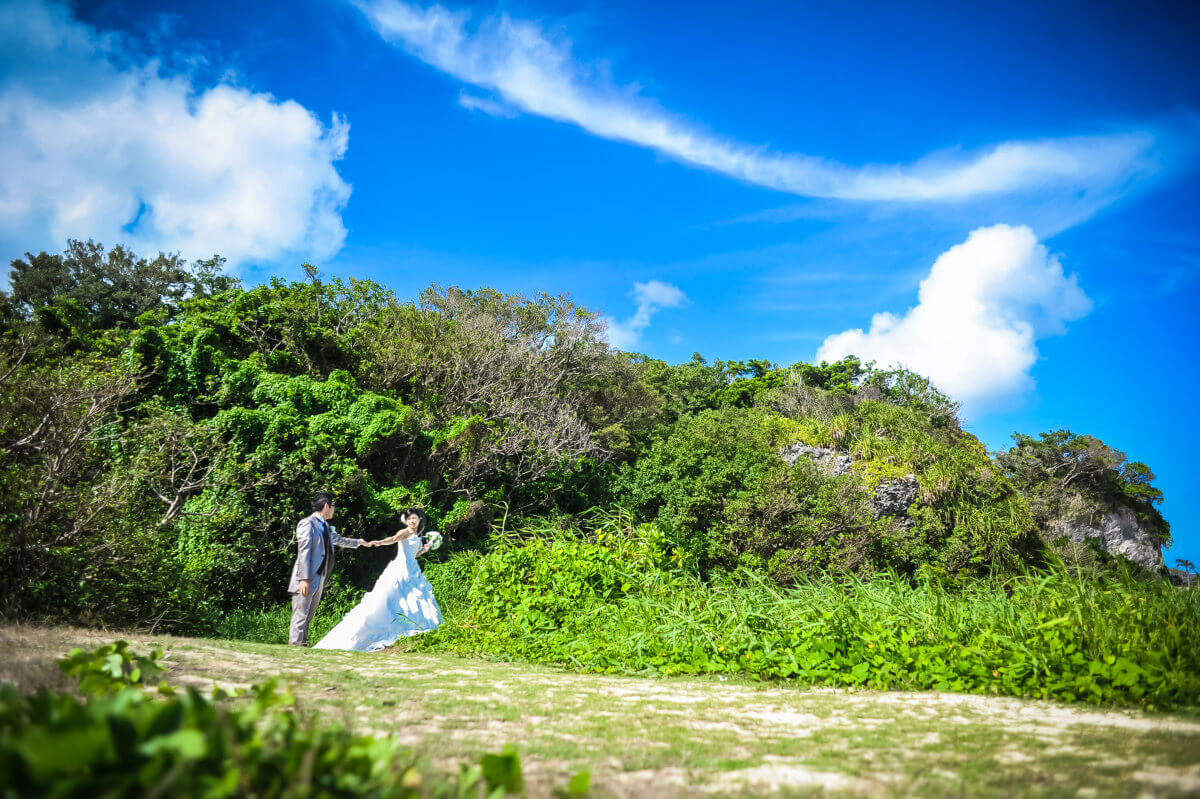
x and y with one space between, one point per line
893 497
1118 532
832 461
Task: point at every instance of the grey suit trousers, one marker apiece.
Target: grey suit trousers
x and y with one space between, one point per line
303 610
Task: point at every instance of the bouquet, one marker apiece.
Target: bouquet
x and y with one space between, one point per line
433 540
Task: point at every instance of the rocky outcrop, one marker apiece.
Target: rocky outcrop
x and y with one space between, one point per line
1183 578
1118 532
832 461
892 497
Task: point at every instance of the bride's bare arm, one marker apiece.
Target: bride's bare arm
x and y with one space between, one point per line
392 539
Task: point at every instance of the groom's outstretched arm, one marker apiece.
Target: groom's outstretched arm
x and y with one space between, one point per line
341 540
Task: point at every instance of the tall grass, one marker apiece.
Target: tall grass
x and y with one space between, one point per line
609 602
271 624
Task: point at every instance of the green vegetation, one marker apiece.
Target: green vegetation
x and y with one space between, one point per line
610 600
118 740
111 667
163 428
1069 477
717 484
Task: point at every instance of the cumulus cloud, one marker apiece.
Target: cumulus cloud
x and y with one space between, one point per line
650 298
536 72
980 312
99 143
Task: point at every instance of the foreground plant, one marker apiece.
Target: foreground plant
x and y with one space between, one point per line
120 740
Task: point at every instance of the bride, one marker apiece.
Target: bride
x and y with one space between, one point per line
401 603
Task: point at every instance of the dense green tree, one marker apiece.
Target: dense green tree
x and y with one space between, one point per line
533 373
60 484
841 376
92 288
684 388
724 495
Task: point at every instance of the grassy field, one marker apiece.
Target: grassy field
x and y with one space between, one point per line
680 737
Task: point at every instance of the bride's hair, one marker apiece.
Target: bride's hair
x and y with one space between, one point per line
409 512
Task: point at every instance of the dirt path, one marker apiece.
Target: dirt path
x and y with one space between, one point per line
674 737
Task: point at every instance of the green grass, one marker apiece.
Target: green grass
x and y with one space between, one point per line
613 603
271 625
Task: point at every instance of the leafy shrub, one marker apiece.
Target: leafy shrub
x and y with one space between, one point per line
125 742
111 667
451 580
616 603
542 584
801 521
129 744
686 479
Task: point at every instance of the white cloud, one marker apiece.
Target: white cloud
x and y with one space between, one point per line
536 72
489 107
981 310
650 298
99 144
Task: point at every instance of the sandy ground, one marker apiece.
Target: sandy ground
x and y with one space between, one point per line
658 737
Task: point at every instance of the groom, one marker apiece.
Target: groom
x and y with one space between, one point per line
314 563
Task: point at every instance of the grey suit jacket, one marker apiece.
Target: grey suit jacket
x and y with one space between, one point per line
310 550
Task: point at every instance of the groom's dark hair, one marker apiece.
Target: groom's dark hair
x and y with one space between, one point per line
320 500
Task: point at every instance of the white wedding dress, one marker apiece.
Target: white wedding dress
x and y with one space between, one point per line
400 604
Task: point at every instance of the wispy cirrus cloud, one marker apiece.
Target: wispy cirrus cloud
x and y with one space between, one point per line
536 72
488 106
650 297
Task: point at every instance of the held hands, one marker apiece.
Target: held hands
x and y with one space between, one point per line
383 542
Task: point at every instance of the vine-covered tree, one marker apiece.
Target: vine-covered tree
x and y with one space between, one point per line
93 288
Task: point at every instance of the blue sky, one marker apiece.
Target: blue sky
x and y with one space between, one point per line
1001 198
